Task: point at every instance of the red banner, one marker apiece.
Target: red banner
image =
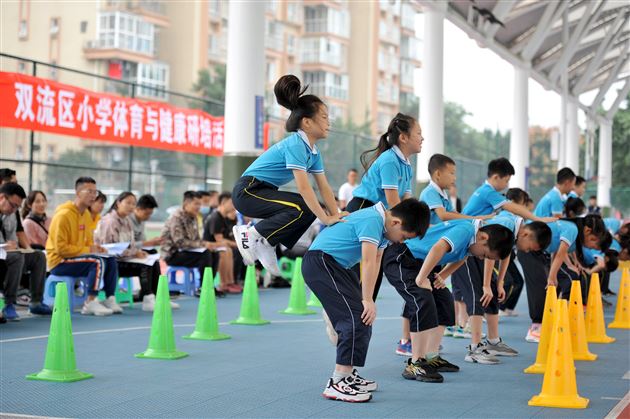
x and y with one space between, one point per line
38 104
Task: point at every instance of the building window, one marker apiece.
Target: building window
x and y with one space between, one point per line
53 70
21 67
50 152
23 29
19 152
84 26
153 76
54 26
126 31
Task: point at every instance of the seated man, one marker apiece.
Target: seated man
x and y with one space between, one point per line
33 262
218 229
70 250
143 211
182 244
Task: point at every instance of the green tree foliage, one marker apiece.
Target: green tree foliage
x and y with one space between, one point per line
210 86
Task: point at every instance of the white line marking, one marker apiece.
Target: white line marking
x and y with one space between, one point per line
612 398
616 411
15 415
128 329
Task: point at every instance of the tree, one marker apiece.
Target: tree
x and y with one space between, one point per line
211 88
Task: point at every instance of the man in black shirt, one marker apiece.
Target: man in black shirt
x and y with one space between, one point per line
218 228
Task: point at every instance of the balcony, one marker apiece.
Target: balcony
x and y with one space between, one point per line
388 63
409 48
387 93
406 75
324 25
152 11
391 7
274 42
389 33
105 49
327 90
408 17
322 57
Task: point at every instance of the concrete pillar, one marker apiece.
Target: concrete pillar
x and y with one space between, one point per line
519 139
604 164
245 79
431 95
572 144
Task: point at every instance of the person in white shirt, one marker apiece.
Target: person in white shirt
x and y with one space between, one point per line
345 191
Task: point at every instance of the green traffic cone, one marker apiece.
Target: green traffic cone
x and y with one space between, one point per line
297 298
162 339
207 326
60 364
250 309
217 280
314 301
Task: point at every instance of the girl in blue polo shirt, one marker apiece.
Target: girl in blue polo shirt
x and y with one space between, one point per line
285 216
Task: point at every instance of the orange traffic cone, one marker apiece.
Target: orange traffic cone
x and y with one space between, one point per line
538 367
559 388
622 313
595 327
576 323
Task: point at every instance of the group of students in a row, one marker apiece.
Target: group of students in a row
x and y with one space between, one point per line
70 243
417 244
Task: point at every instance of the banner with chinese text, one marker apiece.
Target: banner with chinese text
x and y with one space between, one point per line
38 104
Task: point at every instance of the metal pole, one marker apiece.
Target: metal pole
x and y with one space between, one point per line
31 147
129 171
205 173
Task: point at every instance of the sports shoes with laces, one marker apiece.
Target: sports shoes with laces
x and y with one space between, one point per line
442 365
404 349
345 391
421 371
361 383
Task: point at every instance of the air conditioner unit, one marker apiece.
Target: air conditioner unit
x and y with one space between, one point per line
22 30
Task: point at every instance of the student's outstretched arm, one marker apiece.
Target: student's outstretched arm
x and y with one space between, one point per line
326 192
556 263
370 263
451 215
449 269
525 213
306 190
488 267
433 258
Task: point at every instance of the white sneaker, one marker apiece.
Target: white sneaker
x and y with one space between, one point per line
533 334
479 355
110 303
330 330
267 256
95 308
148 302
174 305
245 244
345 391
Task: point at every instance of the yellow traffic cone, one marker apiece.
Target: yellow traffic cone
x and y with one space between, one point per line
538 367
576 323
595 327
622 313
559 388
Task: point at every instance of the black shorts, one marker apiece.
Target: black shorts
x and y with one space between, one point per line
468 280
425 309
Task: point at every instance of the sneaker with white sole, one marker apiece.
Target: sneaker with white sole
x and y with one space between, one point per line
330 330
361 383
449 330
461 333
533 333
404 348
95 308
244 244
480 355
174 305
345 391
421 370
148 302
267 256
110 303
500 349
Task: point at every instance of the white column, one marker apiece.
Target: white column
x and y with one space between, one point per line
431 95
604 164
562 129
572 144
245 78
519 140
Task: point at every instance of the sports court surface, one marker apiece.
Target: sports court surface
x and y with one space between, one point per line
279 370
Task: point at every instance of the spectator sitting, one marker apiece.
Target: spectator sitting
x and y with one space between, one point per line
70 250
182 244
116 227
34 262
143 211
95 211
15 263
345 191
218 229
36 224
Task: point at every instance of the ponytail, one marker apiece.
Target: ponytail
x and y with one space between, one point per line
290 95
400 124
592 221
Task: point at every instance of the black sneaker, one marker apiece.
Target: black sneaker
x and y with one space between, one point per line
421 371
442 365
344 390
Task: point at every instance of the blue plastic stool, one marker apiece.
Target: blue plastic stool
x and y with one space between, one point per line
191 279
75 300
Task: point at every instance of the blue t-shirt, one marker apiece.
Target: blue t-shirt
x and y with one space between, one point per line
507 219
459 234
612 224
343 241
389 171
276 165
551 204
572 194
435 197
615 246
590 255
485 200
562 231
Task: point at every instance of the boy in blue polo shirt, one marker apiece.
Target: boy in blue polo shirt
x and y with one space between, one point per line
552 204
347 299
579 189
416 270
285 216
